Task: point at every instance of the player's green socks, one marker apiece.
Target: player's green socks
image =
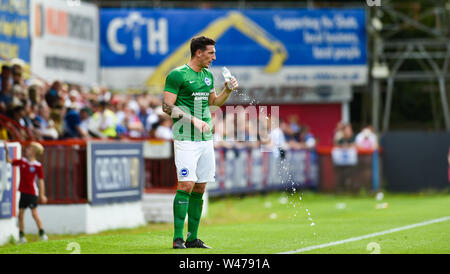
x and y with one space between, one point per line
194 215
180 208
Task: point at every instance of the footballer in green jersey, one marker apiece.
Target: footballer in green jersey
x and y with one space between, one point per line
192 89
188 93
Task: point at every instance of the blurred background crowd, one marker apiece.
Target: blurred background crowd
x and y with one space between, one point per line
58 110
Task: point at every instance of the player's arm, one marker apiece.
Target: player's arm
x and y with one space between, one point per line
173 111
42 191
40 175
219 100
7 158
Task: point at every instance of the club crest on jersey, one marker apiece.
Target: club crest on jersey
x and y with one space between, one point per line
207 81
32 169
184 172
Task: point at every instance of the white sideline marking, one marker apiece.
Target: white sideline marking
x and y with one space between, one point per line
443 219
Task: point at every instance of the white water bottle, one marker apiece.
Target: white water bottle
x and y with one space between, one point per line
226 74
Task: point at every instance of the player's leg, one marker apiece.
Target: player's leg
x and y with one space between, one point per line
205 173
38 221
180 209
22 238
186 163
24 202
195 210
194 215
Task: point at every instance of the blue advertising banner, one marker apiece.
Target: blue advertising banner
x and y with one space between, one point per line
274 42
8 182
14 29
115 172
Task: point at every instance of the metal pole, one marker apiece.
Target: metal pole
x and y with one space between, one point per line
444 102
375 104
387 109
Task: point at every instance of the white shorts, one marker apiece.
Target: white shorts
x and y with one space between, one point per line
195 161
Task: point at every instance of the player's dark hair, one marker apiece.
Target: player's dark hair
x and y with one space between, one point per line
200 43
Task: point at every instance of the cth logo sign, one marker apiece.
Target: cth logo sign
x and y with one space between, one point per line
372 3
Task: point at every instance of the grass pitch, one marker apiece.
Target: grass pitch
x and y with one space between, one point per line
282 222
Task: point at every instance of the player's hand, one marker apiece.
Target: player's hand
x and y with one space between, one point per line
201 125
232 84
43 199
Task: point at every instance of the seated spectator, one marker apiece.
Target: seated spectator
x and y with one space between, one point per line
73 100
17 72
56 115
133 124
6 88
164 130
20 93
19 114
72 123
52 96
155 111
45 125
85 116
104 121
33 94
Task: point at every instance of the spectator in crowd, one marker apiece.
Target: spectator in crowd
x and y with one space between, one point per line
338 132
276 141
19 114
6 88
34 92
367 139
218 129
20 93
229 138
45 126
307 139
164 130
105 120
72 122
294 125
52 96
73 100
134 126
17 73
155 110
3 133
85 116
345 173
56 115
347 139
241 126
292 137
144 111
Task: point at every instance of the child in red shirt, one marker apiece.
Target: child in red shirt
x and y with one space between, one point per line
29 193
